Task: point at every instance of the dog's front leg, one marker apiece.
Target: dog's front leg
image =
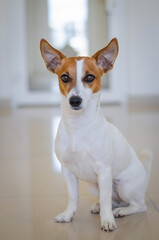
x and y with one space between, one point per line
72 185
105 188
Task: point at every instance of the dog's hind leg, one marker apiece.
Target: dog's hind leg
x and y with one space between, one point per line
131 193
134 207
95 208
94 190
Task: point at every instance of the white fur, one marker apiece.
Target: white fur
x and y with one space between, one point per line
79 89
79 66
92 149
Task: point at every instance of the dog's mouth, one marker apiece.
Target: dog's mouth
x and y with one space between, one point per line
76 108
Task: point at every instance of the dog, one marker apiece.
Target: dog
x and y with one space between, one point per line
88 146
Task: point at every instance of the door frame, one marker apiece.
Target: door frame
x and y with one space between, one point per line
116 93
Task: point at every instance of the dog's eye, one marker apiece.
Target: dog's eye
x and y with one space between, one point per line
89 78
65 78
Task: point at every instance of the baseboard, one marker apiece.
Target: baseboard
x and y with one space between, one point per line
5 107
5 103
143 103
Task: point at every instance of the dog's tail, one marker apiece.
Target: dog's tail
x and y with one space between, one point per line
146 157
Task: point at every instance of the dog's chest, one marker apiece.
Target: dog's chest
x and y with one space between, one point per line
78 151
80 163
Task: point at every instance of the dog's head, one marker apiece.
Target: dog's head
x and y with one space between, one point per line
79 77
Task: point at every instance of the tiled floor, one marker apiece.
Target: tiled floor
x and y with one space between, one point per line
32 191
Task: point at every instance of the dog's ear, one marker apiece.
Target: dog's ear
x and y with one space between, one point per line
105 57
52 57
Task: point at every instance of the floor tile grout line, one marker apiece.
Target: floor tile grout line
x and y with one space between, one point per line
154 205
41 195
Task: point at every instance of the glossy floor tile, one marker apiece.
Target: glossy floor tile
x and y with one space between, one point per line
33 191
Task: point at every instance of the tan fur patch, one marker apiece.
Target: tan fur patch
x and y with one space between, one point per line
90 67
68 67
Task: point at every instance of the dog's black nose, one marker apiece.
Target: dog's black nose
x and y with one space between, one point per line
75 101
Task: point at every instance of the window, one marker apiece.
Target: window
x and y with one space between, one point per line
67 22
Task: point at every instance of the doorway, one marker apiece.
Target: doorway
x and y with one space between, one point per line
73 27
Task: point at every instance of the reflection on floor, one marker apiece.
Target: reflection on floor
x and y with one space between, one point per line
32 190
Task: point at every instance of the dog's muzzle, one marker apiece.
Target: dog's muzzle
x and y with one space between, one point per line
75 102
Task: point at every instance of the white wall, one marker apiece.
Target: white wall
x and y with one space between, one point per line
116 18
97 25
37 29
13 61
143 47
4 59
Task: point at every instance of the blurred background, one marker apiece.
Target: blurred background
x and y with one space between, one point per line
78 28
32 190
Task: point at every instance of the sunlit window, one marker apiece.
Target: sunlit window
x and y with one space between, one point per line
67 21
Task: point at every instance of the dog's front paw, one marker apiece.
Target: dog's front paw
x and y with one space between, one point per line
65 216
108 225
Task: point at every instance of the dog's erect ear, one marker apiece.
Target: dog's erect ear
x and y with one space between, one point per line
52 57
105 57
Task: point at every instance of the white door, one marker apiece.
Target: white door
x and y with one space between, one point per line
86 26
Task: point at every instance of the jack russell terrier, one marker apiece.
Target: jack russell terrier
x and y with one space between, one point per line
88 146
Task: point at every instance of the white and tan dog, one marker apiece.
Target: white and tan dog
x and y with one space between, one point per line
89 147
